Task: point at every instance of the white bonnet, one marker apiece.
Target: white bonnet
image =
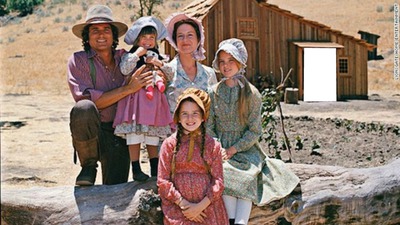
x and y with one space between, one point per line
142 22
236 48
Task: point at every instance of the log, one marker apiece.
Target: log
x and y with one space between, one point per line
326 195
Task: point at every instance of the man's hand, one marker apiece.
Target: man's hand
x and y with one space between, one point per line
139 79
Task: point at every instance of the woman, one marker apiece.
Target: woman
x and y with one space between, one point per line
186 35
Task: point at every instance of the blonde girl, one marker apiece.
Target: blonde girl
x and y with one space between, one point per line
250 177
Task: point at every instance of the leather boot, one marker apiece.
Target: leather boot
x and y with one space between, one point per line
88 156
137 172
154 166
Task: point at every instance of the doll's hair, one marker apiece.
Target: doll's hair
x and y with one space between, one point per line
141 61
85 37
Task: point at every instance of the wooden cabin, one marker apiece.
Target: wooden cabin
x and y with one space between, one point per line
276 38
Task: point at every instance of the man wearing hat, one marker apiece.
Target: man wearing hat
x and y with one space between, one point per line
96 84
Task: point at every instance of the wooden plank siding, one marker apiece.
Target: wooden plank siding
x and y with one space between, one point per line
272 46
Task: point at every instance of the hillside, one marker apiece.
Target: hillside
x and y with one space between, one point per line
372 16
34 49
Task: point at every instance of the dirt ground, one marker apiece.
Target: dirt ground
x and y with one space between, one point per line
36 146
356 133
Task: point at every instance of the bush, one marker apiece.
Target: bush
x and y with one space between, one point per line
3 8
24 7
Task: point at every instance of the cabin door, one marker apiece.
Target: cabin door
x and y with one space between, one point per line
319 74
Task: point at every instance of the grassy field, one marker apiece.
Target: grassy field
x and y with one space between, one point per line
34 50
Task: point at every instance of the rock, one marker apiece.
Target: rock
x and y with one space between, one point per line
326 195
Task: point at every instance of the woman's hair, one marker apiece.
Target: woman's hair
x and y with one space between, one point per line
145 30
179 135
85 37
189 22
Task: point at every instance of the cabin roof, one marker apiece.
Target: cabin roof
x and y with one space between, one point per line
308 44
200 8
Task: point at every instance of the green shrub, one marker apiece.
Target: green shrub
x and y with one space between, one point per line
3 8
24 7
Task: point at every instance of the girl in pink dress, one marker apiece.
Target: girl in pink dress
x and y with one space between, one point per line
140 118
190 178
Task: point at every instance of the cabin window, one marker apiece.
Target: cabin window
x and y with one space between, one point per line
343 65
247 28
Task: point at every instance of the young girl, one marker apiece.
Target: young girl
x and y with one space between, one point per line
140 118
190 180
235 120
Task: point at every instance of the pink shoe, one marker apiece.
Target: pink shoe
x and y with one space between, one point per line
150 93
161 86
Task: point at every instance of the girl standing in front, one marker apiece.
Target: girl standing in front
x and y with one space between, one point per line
143 117
190 180
235 120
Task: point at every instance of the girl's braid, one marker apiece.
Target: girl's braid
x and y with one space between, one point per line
203 139
176 149
203 144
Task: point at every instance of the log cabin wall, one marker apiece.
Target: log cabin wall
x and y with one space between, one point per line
268 32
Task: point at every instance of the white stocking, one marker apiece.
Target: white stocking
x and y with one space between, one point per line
238 209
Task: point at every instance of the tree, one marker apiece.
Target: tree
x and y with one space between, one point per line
24 7
147 7
3 8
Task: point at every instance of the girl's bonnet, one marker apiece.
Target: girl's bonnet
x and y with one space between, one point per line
199 96
236 48
142 22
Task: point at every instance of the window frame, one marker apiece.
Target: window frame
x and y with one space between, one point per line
347 59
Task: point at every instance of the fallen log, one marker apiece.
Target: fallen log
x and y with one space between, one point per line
327 195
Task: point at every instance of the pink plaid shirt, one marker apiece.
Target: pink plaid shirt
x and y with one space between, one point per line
81 84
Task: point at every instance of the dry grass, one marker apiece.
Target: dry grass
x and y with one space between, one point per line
34 51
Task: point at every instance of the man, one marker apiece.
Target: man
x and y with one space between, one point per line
97 84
